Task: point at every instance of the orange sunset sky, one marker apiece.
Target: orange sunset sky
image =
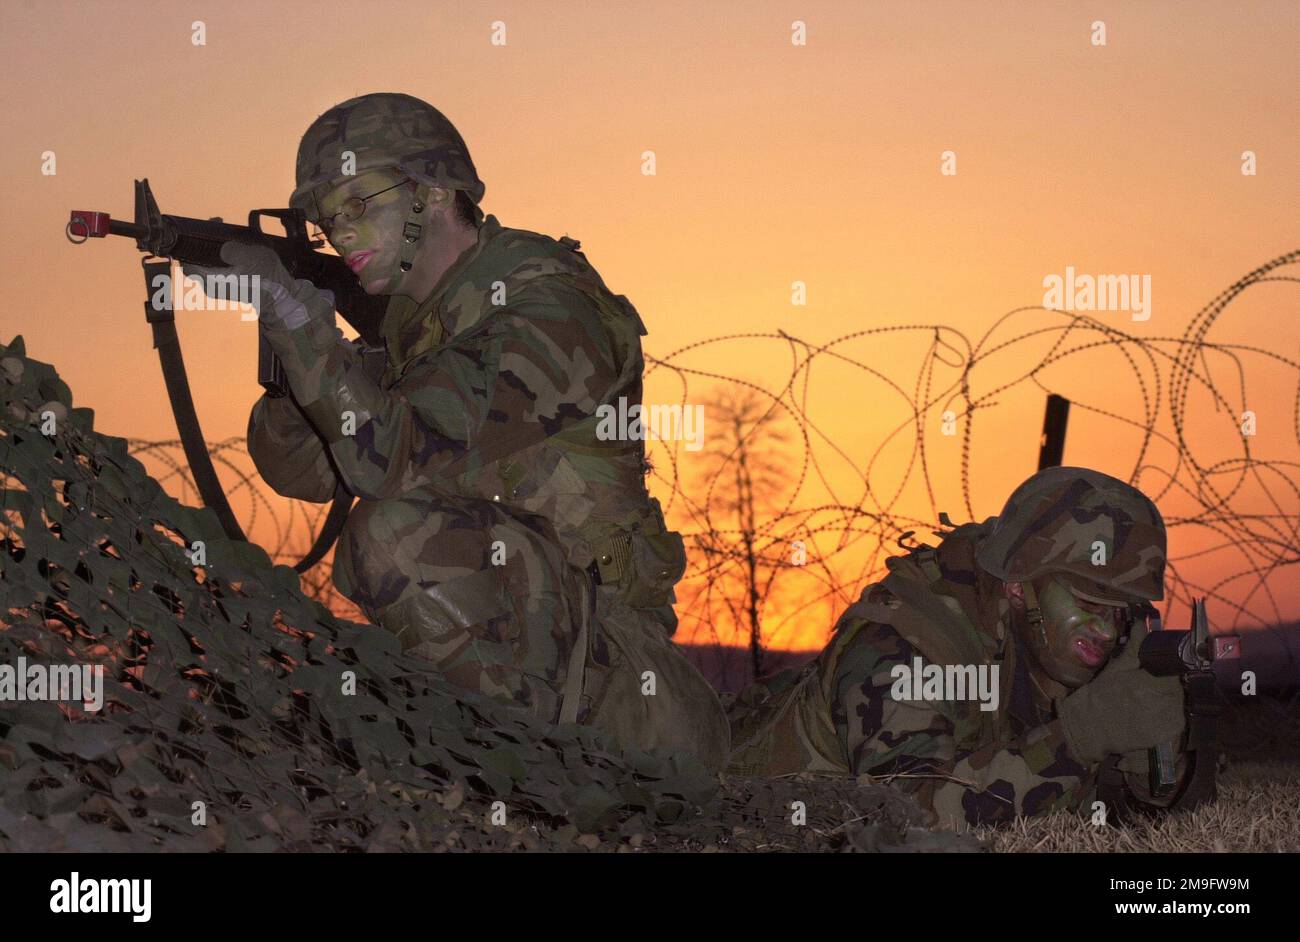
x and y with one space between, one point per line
775 163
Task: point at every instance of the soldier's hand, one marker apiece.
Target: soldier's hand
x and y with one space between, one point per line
1122 709
285 303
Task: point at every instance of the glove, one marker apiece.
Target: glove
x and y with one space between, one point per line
285 303
1123 709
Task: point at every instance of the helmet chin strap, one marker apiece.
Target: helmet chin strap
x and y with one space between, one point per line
1034 613
412 230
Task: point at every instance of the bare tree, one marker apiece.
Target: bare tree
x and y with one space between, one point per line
743 478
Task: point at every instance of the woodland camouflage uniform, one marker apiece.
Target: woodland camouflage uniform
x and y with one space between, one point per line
945 604
492 519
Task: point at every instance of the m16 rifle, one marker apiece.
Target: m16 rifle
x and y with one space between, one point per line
1189 654
198 242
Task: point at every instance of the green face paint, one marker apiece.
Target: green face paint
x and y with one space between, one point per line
1076 637
373 243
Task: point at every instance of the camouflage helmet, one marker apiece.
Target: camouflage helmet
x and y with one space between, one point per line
1105 534
382 130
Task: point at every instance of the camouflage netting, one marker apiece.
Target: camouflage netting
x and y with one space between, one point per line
224 684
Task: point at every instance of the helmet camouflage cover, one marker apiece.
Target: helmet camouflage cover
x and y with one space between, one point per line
1106 534
383 130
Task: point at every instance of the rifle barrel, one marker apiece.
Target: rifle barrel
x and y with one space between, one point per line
129 229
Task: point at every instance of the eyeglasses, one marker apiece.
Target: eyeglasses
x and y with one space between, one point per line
355 207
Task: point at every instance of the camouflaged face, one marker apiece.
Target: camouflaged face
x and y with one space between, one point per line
383 130
1104 532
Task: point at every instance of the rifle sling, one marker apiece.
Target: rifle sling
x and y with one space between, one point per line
162 319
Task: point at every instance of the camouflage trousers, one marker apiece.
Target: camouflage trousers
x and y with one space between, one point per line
482 593
487 595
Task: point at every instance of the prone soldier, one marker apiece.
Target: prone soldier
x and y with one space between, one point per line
1046 600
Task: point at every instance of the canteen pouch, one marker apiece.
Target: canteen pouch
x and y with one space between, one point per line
658 562
643 561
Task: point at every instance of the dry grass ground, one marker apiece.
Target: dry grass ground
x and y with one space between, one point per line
1258 808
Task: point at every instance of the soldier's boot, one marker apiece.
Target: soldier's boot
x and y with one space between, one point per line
482 594
641 689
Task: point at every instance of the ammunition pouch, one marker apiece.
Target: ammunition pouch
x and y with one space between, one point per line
643 561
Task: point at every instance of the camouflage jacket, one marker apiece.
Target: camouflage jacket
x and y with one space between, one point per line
487 389
963 764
